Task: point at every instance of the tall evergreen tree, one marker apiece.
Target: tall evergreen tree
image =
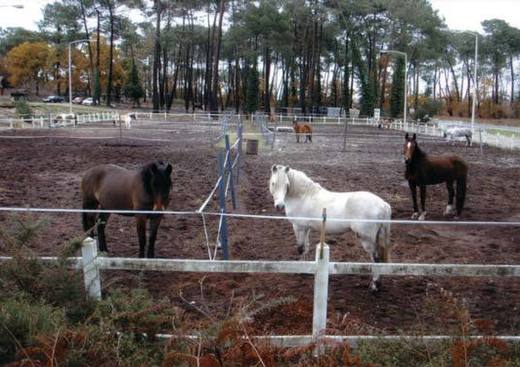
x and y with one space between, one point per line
252 91
132 88
397 94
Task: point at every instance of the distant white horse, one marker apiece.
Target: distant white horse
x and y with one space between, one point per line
127 119
456 133
302 197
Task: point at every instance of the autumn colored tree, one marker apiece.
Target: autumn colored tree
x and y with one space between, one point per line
27 65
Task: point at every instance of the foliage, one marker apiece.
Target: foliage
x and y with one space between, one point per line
427 106
132 88
40 325
252 90
397 94
27 64
22 108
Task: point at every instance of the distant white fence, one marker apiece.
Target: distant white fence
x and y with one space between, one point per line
503 140
321 268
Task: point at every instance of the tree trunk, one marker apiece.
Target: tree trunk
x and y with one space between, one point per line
454 76
111 56
512 69
267 69
346 77
157 57
90 53
215 86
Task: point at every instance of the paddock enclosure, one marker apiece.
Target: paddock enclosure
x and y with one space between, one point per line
42 168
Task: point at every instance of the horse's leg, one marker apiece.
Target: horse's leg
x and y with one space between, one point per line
306 235
299 232
413 189
422 189
370 246
140 221
102 222
461 194
154 226
451 194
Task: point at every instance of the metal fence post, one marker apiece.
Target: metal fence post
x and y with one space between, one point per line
480 140
321 290
222 204
230 171
345 136
90 268
239 157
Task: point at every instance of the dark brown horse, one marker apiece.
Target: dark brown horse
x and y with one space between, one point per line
423 170
111 187
302 129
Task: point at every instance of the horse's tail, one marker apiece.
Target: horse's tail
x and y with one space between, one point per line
383 238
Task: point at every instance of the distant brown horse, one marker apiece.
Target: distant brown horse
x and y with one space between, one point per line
302 129
422 170
111 187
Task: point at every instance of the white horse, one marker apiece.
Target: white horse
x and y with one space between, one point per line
456 133
302 197
127 119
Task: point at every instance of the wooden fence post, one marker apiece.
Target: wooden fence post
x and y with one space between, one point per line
90 268
321 290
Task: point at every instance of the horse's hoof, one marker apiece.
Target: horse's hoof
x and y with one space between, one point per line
415 215
449 210
422 216
375 287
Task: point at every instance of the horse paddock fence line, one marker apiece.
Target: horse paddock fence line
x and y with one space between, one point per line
91 263
509 138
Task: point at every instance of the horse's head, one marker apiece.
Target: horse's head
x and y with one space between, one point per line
410 144
157 183
279 184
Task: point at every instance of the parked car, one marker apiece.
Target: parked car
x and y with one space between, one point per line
53 99
77 100
88 101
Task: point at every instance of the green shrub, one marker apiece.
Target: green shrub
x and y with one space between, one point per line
23 110
21 320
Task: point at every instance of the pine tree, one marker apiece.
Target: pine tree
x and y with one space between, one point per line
397 94
132 88
252 92
97 88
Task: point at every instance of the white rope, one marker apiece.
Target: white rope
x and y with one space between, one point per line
203 206
257 216
206 236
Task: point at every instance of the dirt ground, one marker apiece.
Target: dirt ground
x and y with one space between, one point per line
43 169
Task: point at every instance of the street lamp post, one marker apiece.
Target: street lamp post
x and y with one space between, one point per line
474 85
405 77
70 70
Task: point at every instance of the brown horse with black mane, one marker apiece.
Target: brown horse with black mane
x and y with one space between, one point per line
302 129
423 170
110 187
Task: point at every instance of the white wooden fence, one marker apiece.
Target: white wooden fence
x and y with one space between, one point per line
481 135
321 268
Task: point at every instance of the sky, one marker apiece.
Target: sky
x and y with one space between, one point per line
458 14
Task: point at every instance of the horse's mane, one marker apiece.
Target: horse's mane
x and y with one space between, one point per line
300 184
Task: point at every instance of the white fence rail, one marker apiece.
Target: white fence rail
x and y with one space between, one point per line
507 138
321 268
